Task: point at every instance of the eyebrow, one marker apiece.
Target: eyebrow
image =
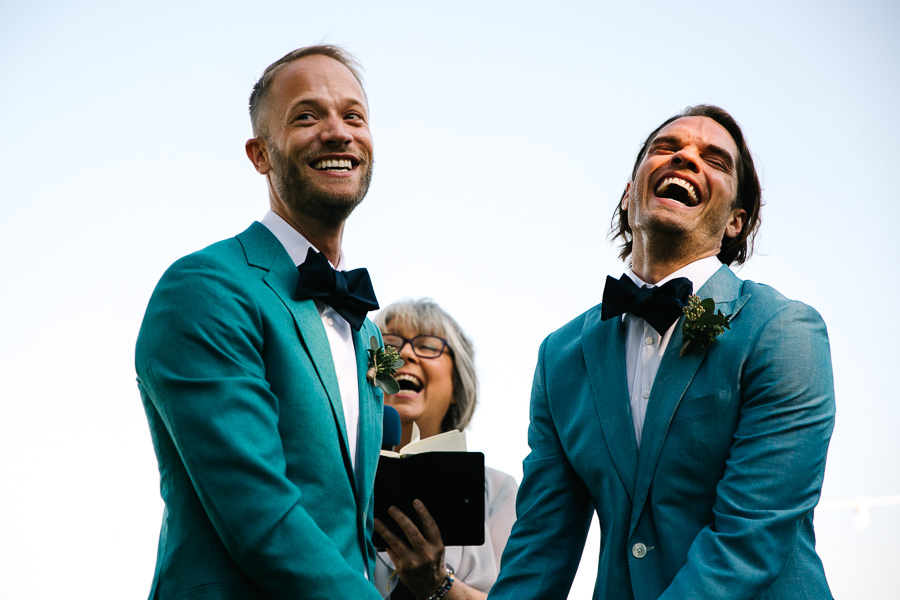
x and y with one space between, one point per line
708 149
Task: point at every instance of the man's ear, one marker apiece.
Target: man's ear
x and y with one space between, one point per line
736 223
258 154
626 197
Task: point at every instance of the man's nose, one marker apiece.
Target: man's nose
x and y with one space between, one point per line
336 131
687 158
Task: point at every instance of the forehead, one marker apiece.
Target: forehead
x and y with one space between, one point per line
699 131
315 78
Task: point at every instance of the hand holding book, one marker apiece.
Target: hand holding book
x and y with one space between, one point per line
438 472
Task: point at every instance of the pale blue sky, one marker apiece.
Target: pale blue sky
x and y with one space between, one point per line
504 134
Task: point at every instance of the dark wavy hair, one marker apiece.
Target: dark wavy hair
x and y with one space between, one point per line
734 250
262 87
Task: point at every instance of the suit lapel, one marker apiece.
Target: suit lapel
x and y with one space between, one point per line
672 380
263 250
603 344
370 413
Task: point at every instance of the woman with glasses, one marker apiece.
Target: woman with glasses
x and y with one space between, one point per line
438 388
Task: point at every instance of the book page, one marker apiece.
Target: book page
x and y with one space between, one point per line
448 441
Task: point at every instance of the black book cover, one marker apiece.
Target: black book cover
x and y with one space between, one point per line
450 484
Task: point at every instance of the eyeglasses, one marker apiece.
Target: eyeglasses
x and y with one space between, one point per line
423 346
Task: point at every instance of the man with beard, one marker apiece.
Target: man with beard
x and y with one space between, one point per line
698 436
252 361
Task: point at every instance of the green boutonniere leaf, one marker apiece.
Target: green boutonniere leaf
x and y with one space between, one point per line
702 324
387 384
383 365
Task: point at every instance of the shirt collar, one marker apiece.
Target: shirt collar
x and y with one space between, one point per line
698 272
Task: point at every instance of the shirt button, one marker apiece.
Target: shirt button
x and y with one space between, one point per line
649 341
330 322
646 395
639 550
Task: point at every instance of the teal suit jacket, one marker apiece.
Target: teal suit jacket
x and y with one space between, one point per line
718 502
241 395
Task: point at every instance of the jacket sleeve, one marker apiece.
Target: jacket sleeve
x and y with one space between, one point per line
200 361
553 512
762 516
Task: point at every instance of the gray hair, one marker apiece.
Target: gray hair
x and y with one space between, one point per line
425 317
262 87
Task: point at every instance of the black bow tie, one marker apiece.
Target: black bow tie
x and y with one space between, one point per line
659 306
349 293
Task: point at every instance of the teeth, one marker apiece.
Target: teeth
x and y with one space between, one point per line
680 183
415 381
341 164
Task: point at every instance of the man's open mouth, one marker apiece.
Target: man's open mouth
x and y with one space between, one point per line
408 383
679 190
332 164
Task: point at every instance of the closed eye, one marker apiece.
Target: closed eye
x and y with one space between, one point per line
663 150
719 163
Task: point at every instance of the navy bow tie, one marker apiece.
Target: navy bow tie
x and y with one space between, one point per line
349 293
659 306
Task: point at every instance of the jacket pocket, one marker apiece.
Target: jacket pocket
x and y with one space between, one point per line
707 404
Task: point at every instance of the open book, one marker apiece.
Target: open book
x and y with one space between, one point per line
447 479
449 441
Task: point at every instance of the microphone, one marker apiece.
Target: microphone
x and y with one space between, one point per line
391 434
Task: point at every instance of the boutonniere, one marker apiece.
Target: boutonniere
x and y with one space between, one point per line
702 324
383 365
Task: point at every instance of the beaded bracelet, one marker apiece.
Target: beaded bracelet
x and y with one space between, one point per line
443 588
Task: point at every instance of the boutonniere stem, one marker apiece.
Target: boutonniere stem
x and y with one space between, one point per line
702 324
383 365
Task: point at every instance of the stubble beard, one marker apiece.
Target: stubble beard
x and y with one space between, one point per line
661 238
666 240
304 196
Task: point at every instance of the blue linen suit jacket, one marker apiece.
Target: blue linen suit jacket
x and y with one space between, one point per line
718 502
245 413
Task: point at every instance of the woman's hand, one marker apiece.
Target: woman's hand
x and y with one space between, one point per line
419 559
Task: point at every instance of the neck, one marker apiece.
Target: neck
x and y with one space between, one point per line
406 428
326 238
653 262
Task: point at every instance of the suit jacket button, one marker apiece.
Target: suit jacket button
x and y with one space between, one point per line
639 550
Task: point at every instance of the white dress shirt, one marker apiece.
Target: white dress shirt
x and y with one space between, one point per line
337 329
644 346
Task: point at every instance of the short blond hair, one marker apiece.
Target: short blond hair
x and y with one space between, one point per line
262 87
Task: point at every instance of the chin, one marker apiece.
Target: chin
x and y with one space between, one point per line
407 413
669 222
